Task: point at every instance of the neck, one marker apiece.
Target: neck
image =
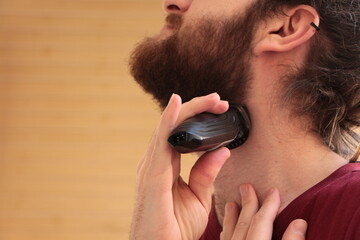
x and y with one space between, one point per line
276 154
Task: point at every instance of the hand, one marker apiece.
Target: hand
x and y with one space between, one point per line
253 223
166 207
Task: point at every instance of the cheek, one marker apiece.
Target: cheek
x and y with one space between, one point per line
208 9
217 9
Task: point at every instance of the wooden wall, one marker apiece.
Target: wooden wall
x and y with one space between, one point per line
73 123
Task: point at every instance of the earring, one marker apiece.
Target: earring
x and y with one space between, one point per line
315 26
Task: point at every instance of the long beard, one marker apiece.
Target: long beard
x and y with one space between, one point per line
212 56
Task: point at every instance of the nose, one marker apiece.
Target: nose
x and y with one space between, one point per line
176 6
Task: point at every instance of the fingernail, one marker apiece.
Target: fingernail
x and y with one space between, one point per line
244 190
299 226
213 94
272 191
224 102
228 207
171 98
272 194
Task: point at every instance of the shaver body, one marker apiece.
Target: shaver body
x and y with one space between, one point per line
207 131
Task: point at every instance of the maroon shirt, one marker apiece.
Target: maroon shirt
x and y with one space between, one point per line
331 208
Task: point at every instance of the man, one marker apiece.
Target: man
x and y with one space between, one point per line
295 65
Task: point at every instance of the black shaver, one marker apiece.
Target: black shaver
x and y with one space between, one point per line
207 131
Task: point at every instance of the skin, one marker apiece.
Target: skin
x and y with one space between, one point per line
195 9
166 206
280 150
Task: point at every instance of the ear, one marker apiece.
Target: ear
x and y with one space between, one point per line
286 32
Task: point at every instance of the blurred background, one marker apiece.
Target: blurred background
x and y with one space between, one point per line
73 123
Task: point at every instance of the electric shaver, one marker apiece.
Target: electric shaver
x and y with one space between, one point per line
207 131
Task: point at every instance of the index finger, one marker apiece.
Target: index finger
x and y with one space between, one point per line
209 103
158 158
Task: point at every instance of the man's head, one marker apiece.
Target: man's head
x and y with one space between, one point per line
212 46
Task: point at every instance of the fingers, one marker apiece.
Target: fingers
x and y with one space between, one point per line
254 224
176 113
184 214
173 114
170 115
296 230
262 222
230 220
161 159
250 206
204 172
158 156
210 103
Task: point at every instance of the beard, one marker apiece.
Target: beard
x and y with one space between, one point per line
210 56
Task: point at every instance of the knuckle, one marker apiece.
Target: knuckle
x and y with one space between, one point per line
240 225
202 177
208 99
258 218
194 101
250 205
246 202
204 182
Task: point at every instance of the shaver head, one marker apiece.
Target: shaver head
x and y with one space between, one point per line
207 131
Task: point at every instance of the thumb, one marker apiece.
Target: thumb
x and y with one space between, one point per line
296 230
204 172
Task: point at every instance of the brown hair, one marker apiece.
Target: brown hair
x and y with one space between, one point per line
327 88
